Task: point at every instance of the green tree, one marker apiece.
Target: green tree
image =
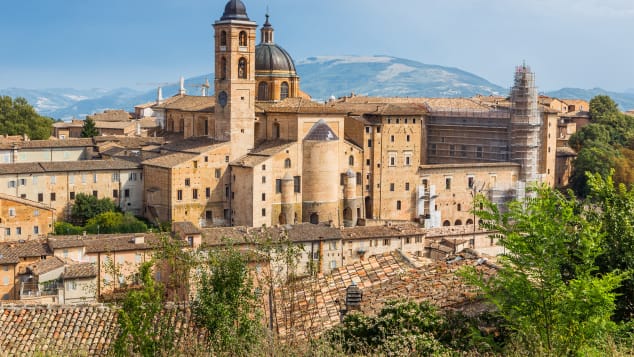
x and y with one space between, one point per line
596 158
589 134
17 117
546 288
115 222
602 108
65 228
88 206
89 129
226 304
615 205
144 327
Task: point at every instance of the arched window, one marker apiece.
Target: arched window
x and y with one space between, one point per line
223 68
351 160
284 91
287 163
242 68
223 38
458 223
263 91
243 39
276 130
469 222
446 223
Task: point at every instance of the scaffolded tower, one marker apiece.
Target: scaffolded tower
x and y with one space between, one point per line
526 124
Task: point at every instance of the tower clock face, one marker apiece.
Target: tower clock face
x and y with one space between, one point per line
222 98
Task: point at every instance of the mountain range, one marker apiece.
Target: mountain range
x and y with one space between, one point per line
321 77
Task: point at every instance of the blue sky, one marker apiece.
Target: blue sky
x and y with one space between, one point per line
114 43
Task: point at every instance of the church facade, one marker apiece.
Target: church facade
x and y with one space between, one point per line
269 155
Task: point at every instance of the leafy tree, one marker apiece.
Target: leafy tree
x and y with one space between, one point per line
546 288
89 129
602 108
591 133
115 222
65 228
144 328
17 117
226 303
596 158
88 206
615 206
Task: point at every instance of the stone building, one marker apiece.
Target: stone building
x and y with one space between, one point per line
292 160
22 219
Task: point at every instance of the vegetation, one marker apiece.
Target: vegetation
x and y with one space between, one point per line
603 145
17 117
88 206
89 129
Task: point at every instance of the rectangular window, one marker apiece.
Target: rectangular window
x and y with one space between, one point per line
470 182
407 138
36 212
406 186
208 192
278 186
263 167
95 193
195 164
263 179
94 177
36 230
40 197
367 162
71 195
367 129
18 231
263 212
115 193
187 182
479 151
359 183
35 178
297 184
22 182
208 215
226 158
398 205
11 184
7 231
83 177
392 161
179 195
71 180
126 193
391 138
333 264
133 176
115 177
264 197
11 212
452 150
386 242
217 173
448 183
195 193
369 143
392 187
53 179
333 245
53 197
463 150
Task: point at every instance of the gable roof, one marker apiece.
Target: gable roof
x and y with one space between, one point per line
79 271
25 202
46 265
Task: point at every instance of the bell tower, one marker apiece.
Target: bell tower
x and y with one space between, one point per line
234 82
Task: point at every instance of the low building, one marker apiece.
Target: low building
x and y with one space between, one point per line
15 258
79 284
12 152
42 280
22 219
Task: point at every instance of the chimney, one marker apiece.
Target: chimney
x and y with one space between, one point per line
159 96
139 239
181 91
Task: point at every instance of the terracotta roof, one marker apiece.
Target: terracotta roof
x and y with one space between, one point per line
111 115
189 103
105 242
263 152
170 160
25 249
80 270
69 124
146 105
312 308
195 145
37 144
113 124
25 202
186 227
399 109
130 142
302 106
296 233
60 166
471 165
381 231
8 256
46 265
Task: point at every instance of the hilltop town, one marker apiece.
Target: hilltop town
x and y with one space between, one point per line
372 193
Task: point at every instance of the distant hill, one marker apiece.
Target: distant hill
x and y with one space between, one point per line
624 100
321 77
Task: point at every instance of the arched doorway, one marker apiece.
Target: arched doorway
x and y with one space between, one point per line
347 214
314 218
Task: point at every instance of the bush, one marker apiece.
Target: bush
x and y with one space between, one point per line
65 228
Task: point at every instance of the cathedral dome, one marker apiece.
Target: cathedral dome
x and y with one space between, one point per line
235 10
271 57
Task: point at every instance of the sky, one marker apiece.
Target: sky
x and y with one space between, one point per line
136 43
